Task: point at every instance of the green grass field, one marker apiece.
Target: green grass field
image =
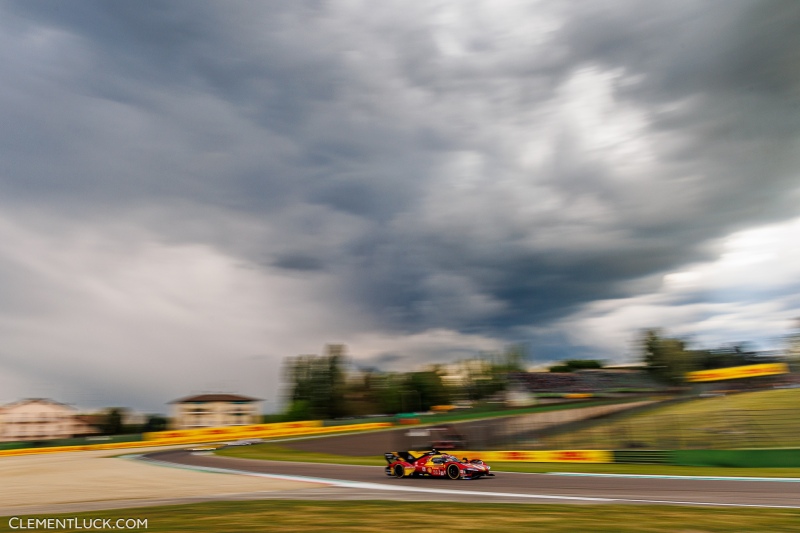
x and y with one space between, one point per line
381 516
766 419
276 452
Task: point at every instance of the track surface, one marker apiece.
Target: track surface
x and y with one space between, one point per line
524 488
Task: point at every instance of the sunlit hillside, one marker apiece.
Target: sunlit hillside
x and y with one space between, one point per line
763 419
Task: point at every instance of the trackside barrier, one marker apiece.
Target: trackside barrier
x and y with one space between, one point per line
265 433
738 372
764 458
775 458
83 447
37 451
549 456
307 429
664 457
231 432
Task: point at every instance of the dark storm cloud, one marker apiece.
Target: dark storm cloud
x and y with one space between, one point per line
298 262
145 85
387 145
721 79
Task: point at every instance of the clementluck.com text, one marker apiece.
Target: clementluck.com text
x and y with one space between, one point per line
17 523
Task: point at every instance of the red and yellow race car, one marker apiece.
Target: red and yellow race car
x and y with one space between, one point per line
434 464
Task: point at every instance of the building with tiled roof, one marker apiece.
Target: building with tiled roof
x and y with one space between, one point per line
215 410
37 419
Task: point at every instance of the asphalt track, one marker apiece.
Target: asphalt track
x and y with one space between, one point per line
370 482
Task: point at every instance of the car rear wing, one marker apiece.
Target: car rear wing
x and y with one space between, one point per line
391 457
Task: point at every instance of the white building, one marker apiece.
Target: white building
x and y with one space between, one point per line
37 419
215 410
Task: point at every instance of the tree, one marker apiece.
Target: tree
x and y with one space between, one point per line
317 384
793 347
728 356
668 360
423 390
155 423
298 410
513 359
112 425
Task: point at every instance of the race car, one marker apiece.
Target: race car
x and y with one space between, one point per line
434 464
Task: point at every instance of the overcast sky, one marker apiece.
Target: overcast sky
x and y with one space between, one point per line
191 191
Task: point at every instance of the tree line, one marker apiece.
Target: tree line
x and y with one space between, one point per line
669 359
325 387
320 386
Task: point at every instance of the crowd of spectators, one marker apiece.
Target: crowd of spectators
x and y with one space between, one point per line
584 381
603 380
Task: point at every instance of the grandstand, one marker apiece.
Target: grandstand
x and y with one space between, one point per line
585 381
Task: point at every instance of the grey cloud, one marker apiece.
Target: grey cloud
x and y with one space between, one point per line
719 76
299 262
390 147
385 360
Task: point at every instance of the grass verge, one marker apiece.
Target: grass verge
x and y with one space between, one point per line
762 419
378 516
275 452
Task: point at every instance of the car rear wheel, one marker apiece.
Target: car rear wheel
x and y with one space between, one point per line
399 471
453 472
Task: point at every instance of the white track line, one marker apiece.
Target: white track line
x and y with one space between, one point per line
381 486
701 478
369 486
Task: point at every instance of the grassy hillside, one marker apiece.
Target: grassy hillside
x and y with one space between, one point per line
763 419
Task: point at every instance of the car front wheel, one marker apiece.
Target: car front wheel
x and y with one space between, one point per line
453 472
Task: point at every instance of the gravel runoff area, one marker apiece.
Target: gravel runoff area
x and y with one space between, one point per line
90 480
